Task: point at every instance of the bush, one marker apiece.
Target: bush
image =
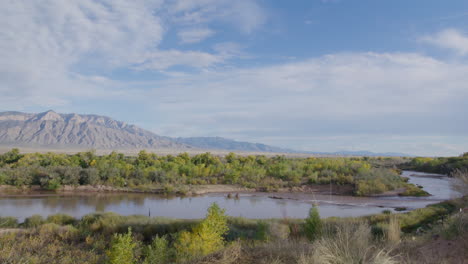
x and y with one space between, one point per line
122 249
33 221
158 251
313 224
60 219
205 238
350 243
456 226
8 222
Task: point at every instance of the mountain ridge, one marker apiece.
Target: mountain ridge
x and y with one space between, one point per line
50 129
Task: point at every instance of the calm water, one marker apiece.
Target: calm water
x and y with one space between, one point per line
248 205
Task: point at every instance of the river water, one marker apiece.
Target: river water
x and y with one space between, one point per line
249 205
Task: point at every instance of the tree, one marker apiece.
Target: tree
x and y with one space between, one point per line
313 224
158 251
11 156
206 237
122 247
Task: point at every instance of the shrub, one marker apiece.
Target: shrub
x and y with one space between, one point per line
60 219
8 222
313 224
351 243
33 221
455 226
122 249
205 238
158 251
261 231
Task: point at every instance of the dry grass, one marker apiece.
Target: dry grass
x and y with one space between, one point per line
346 243
352 243
230 255
393 232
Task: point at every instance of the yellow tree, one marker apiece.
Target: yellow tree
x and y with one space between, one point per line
206 237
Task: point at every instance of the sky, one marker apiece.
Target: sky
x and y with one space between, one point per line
316 75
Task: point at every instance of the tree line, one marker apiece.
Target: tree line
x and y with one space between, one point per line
53 170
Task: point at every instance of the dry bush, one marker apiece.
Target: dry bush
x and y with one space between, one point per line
393 231
230 255
462 184
351 243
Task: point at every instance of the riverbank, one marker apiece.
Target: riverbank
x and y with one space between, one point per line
192 190
401 238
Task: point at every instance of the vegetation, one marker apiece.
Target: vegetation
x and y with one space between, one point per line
171 173
111 238
313 224
122 249
205 238
443 165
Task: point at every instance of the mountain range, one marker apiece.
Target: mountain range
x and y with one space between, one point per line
53 130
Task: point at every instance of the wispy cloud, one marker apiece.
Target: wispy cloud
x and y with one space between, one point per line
245 15
348 94
451 39
48 49
194 35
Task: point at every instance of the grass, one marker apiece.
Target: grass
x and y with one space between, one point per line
381 238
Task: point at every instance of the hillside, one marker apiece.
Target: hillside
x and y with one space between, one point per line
220 143
50 129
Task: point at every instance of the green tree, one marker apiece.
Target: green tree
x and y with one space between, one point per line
313 224
11 156
122 249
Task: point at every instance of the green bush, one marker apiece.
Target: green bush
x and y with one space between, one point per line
313 224
122 249
158 251
8 222
60 219
33 221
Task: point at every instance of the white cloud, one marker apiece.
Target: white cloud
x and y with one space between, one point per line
48 48
162 60
352 94
449 39
54 52
42 43
194 35
245 15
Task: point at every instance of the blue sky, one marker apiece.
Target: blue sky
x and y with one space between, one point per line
319 75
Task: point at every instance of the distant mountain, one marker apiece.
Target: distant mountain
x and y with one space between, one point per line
363 153
50 129
220 143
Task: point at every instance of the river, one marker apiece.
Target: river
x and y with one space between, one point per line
249 205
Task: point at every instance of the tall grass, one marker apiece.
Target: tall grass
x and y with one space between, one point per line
349 244
393 233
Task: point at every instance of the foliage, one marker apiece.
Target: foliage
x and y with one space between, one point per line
52 171
205 238
313 224
443 165
34 221
158 251
105 237
122 249
8 222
